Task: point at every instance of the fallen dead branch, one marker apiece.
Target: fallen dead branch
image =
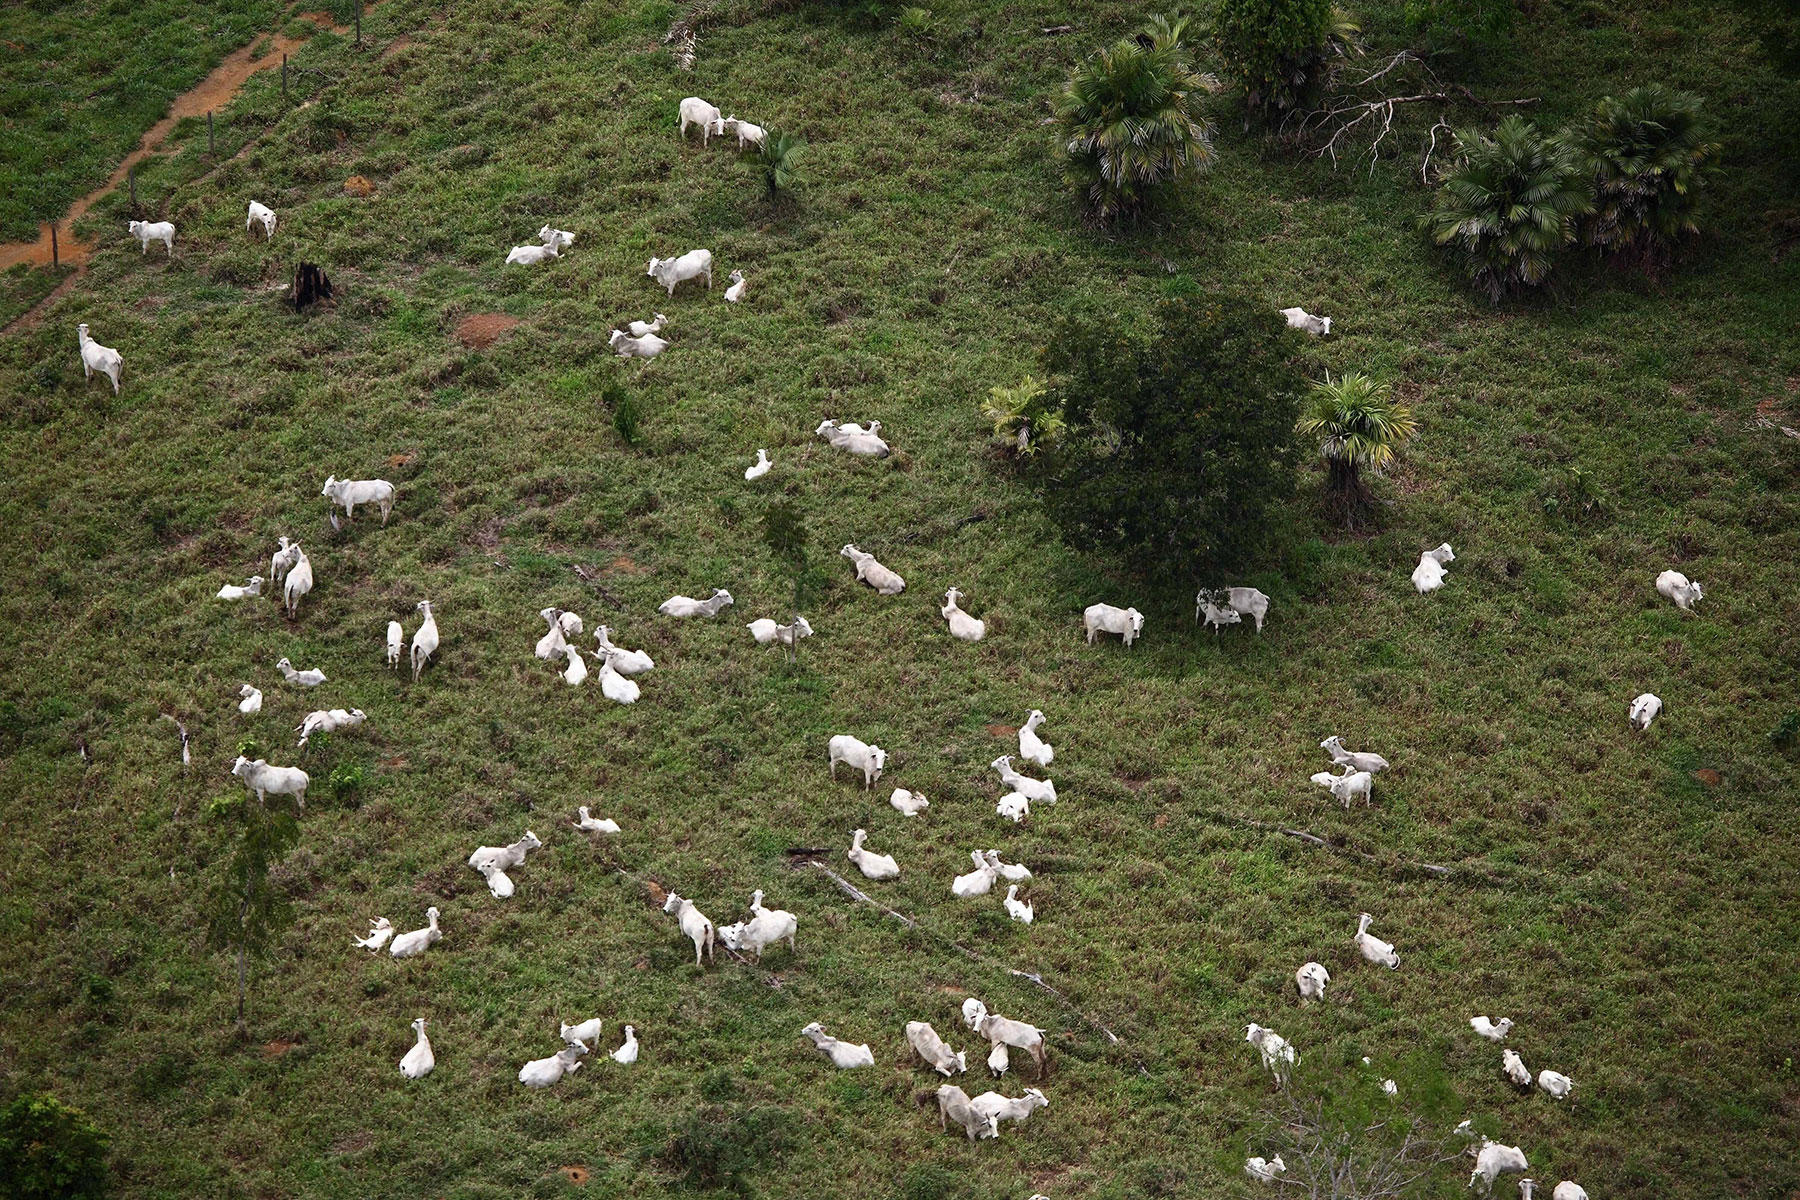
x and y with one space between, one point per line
1350 112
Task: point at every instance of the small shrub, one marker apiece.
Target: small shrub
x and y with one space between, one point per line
717 1147
1575 495
916 22
1509 206
1274 48
347 780
1787 730
250 748
1023 416
50 1151
1130 123
1649 161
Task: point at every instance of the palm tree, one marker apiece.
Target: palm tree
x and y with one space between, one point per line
1649 159
774 160
1360 425
1509 206
1023 416
1131 124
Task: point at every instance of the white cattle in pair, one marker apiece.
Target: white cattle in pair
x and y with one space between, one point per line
692 265
1240 602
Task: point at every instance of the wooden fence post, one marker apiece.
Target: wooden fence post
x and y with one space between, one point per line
359 22
55 254
131 178
284 77
209 131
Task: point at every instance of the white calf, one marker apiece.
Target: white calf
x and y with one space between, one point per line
153 231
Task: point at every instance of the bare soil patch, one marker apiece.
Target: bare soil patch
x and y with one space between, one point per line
478 331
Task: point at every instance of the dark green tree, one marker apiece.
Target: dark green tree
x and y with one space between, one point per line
784 533
1179 444
1130 125
248 911
1509 207
49 1151
1649 159
1275 49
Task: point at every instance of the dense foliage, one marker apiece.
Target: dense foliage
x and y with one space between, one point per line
776 160
1273 48
1360 426
1508 206
1461 24
49 1151
1130 124
1179 444
1649 158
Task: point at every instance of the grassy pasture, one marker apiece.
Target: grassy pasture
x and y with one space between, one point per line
1635 917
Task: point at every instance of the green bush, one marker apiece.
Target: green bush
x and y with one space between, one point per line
49 1151
1178 445
1273 48
347 779
716 1147
1461 24
1509 206
1130 123
1649 160
626 417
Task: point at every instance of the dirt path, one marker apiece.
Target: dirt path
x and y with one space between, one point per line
214 92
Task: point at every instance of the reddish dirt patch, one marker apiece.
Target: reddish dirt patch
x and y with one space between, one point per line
478 331
1708 776
624 563
398 761
359 185
321 19
1162 821
278 1047
400 460
642 964
1003 730
655 892
575 1175
396 46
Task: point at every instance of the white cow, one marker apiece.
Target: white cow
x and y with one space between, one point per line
1105 618
692 265
153 231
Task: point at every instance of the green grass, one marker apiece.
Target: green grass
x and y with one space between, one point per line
1638 923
